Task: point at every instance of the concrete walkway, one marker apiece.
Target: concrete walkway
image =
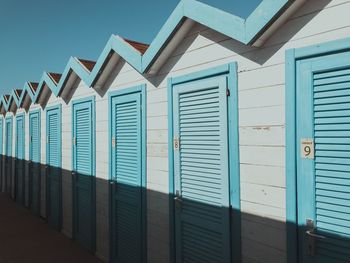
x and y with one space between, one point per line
27 238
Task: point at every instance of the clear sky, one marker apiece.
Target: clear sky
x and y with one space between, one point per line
41 35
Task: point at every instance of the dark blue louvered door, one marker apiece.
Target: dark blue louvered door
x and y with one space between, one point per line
8 155
127 216
53 167
35 161
2 158
19 166
83 164
323 115
202 221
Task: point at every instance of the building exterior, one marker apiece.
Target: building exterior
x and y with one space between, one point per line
224 140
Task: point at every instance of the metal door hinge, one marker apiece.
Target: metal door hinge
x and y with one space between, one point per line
228 93
74 141
114 142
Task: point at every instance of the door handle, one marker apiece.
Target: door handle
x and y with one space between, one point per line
311 233
178 199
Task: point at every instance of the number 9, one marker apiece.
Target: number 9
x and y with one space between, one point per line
307 150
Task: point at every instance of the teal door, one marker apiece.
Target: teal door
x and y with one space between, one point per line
1 137
126 188
200 129
53 167
34 161
20 162
323 158
2 158
83 166
8 153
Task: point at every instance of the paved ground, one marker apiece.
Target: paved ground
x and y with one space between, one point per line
27 238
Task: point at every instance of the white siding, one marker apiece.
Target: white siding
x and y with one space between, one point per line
261 83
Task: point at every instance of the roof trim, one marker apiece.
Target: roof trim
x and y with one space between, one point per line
243 30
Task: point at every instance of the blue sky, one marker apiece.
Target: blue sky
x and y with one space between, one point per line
41 35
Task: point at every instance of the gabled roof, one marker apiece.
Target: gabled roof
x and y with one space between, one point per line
250 31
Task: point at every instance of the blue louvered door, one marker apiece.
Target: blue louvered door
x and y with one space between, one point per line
127 219
53 168
8 153
35 161
19 166
83 163
1 136
202 221
2 158
323 114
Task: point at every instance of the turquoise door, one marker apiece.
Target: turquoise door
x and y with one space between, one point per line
20 162
200 129
126 188
53 167
1 137
8 153
323 158
83 166
2 159
34 161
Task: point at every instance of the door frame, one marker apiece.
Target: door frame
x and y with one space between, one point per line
9 119
291 57
2 135
21 116
91 99
31 113
229 70
112 94
59 109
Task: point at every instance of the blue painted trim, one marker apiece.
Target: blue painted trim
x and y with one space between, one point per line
111 94
91 99
21 116
142 90
242 30
291 180
171 171
324 48
1 135
31 113
207 73
59 109
9 120
230 70
292 56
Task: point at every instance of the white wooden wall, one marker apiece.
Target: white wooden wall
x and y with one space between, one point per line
261 129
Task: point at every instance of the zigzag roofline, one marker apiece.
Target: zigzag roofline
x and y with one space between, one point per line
141 56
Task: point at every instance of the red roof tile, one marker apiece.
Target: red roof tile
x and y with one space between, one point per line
89 64
55 77
141 47
34 86
19 92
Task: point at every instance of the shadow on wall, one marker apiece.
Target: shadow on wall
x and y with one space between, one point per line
192 231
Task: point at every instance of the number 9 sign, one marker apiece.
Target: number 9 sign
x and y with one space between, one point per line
307 149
